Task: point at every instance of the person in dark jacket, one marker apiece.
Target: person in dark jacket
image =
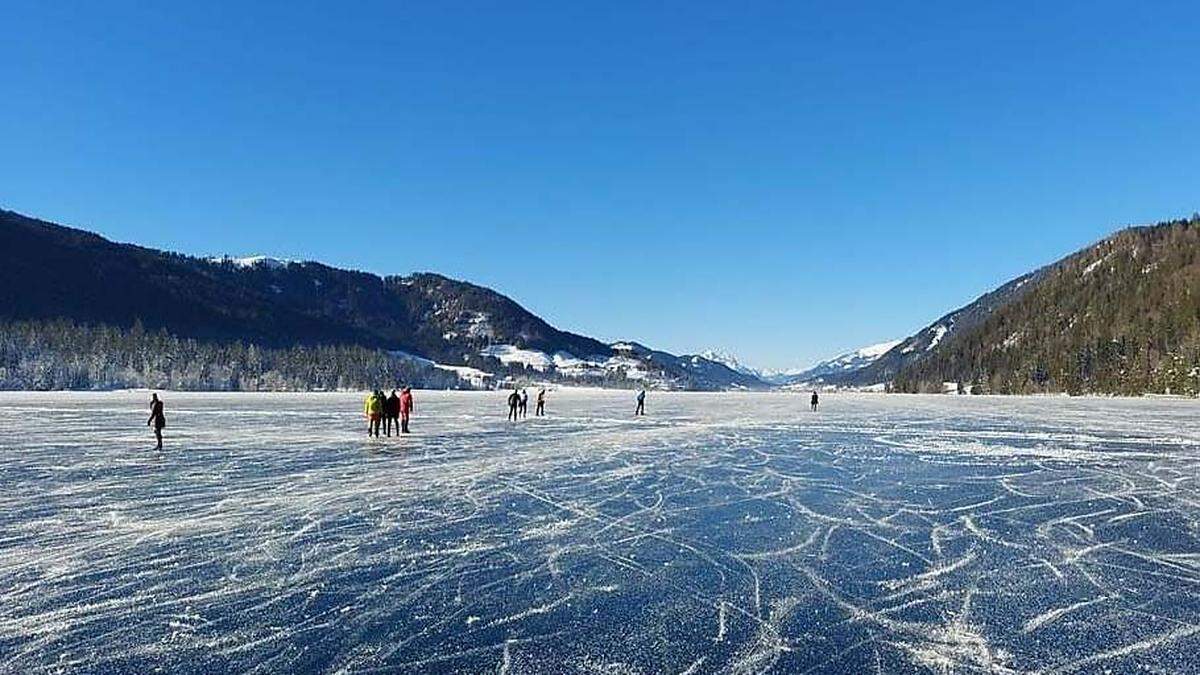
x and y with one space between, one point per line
541 402
816 400
406 408
514 400
157 419
641 403
391 414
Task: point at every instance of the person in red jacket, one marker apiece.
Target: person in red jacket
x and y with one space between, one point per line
406 406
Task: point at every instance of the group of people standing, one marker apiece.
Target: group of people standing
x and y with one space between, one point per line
394 410
518 403
388 411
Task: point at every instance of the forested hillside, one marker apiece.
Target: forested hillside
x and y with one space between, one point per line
61 354
1120 317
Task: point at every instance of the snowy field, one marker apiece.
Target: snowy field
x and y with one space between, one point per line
722 533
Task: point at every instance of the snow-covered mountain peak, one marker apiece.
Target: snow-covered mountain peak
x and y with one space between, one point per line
729 361
841 364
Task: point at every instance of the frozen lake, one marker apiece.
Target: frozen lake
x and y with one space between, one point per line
722 533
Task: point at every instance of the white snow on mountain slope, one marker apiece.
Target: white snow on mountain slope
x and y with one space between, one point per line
938 333
858 358
400 354
840 364
729 361
473 376
1097 263
567 361
253 261
630 362
568 364
877 350
780 376
509 355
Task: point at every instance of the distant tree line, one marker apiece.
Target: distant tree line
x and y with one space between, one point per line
1121 317
62 354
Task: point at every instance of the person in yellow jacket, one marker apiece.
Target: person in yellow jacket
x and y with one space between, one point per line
373 409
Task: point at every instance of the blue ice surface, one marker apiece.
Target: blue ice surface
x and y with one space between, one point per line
721 533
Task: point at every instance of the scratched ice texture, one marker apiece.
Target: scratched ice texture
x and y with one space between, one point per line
721 533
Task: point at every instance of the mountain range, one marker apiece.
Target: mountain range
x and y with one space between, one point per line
1121 316
813 376
51 273
836 368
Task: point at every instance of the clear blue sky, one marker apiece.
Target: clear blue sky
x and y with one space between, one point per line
780 179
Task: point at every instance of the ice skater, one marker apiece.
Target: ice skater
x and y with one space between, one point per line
524 403
157 419
514 400
641 403
373 409
541 402
391 414
406 408
816 400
